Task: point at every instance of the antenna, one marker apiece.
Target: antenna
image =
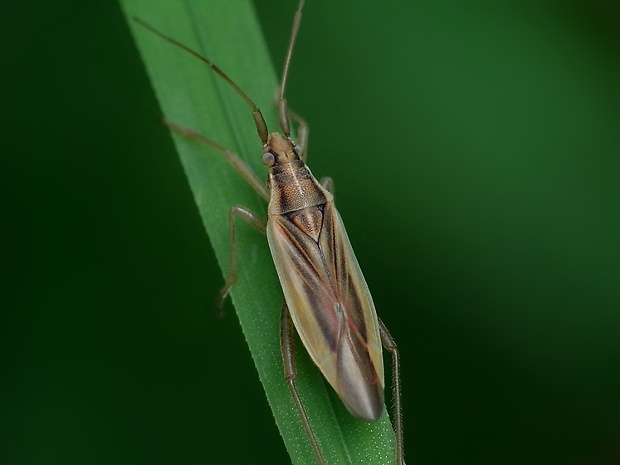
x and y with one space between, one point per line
282 110
261 126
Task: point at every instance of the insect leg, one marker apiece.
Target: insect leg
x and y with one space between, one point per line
390 345
302 132
287 346
327 183
302 125
237 163
257 223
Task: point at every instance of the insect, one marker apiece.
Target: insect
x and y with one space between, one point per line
327 300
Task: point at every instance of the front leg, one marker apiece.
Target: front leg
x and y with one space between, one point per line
302 132
235 160
241 212
327 183
285 113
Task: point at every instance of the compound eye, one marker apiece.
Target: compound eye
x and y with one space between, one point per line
268 159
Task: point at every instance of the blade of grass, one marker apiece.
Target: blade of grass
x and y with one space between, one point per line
191 95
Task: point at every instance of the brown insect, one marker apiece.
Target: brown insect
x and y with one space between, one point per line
326 296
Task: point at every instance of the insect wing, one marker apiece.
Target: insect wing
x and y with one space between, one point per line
331 308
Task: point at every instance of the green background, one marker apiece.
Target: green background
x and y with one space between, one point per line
475 152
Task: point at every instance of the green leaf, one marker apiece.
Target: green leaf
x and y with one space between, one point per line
192 96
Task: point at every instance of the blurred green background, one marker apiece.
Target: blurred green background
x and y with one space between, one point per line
475 152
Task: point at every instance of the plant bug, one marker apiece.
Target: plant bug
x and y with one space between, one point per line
326 296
